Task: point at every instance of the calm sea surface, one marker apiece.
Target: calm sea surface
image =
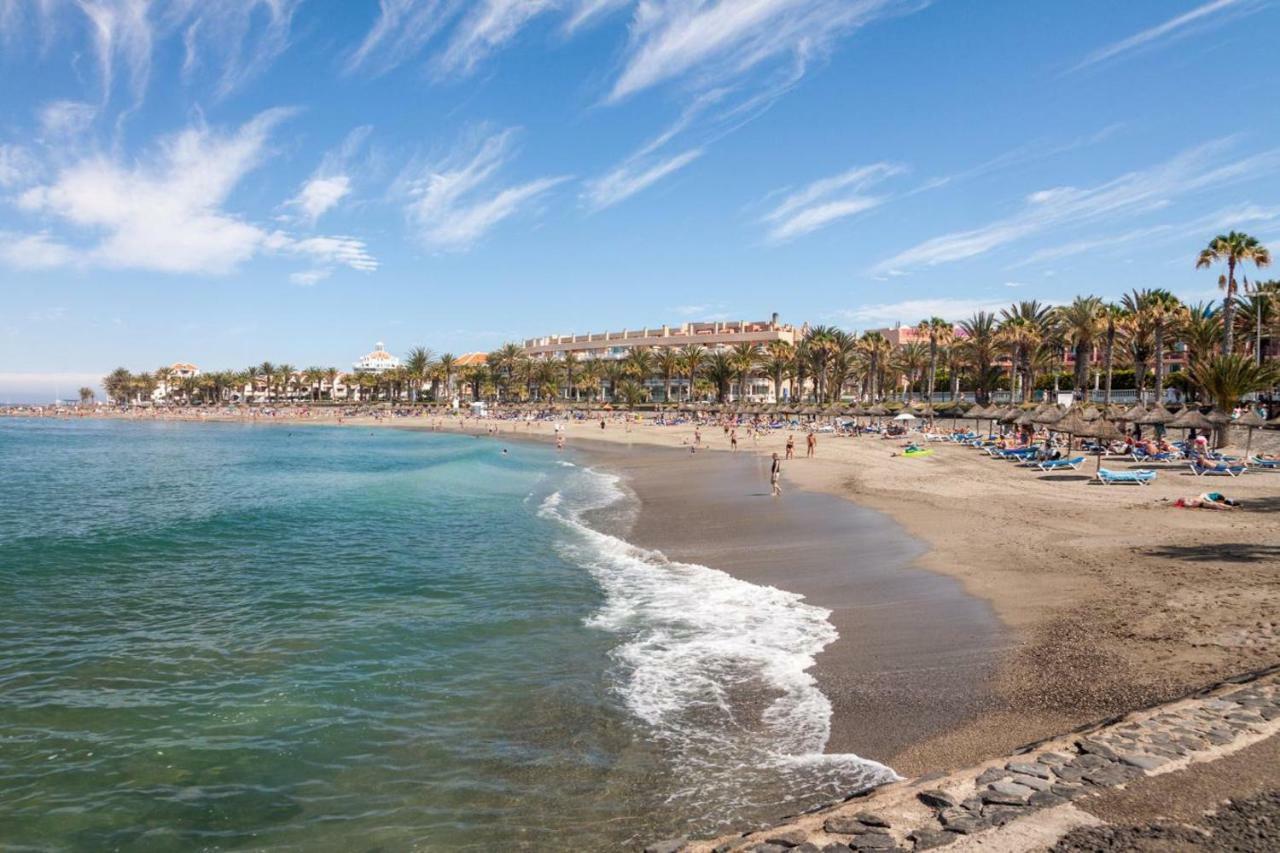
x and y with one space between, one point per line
227 637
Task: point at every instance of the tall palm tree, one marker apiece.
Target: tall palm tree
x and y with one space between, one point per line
284 376
668 364
821 344
720 369
638 363
913 361
331 377
940 333
86 395
1261 304
615 371
313 376
778 364
417 363
1081 321
1235 249
876 351
980 349
592 373
692 359
745 358
1112 325
570 363
448 364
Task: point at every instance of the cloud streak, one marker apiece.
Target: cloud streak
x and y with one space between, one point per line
827 200
455 202
1128 195
632 177
1175 27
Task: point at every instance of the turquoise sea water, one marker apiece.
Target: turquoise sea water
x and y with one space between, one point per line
227 637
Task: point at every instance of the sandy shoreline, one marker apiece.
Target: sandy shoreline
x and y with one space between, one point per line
1110 598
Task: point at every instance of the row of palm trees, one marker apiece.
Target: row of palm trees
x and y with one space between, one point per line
1019 348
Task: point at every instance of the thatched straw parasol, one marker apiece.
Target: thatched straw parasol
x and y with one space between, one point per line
1047 415
1251 420
877 411
1190 418
1156 415
1134 415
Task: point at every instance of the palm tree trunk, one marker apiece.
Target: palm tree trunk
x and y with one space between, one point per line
1159 343
1108 355
1229 309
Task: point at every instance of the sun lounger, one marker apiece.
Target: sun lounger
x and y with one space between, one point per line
1273 464
1141 476
1061 464
1223 470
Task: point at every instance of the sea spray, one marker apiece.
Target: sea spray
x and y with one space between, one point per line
717 669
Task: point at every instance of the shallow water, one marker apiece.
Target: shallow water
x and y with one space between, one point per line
241 637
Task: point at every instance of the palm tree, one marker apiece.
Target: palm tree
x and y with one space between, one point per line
1112 324
503 362
448 363
821 344
1081 322
615 371
638 364
877 351
417 362
631 393
117 384
284 376
745 358
331 376
913 362
692 359
1234 249
86 395
592 372
1226 380
569 364
720 369
778 364
1261 305
668 364
940 334
546 379
980 347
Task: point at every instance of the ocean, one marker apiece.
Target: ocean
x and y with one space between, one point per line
218 636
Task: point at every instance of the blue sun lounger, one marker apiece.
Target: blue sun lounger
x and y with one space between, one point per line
1142 476
1223 470
1061 464
1273 464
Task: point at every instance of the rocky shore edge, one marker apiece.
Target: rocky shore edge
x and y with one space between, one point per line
1028 799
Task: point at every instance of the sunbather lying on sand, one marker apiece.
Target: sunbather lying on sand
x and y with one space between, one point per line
1209 500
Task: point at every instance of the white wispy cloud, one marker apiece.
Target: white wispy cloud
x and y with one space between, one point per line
824 201
911 311
632 177
719 40
34 251
17 166
1217 221
62 119
402 29
1128 195
332 181
307 278
487 27
454 202
165 211
232 39
1214 12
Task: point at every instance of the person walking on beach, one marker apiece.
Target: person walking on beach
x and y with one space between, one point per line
733 439
697 436
791 446
811 445
775 476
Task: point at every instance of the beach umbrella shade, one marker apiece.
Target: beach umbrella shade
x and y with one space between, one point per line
1047 415
1133 415
877 411
1158 414
904 416
1251 420
1191 418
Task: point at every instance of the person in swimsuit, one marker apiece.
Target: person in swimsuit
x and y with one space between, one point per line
791 446
775 476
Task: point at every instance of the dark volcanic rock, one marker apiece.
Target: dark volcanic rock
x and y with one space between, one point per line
927 839
936 799
871 819
790 838
844 825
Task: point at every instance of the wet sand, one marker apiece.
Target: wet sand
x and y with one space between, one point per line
916 654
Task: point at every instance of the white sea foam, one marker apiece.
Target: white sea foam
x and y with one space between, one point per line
716 667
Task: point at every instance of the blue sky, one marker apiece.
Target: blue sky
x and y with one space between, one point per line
227 181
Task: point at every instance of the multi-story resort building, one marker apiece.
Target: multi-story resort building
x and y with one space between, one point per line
712 335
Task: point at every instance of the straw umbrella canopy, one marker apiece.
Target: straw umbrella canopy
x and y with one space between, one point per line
1251 420
1190 418
1047 415
1158 414
877 411
1072 423
1134 415
1101 429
